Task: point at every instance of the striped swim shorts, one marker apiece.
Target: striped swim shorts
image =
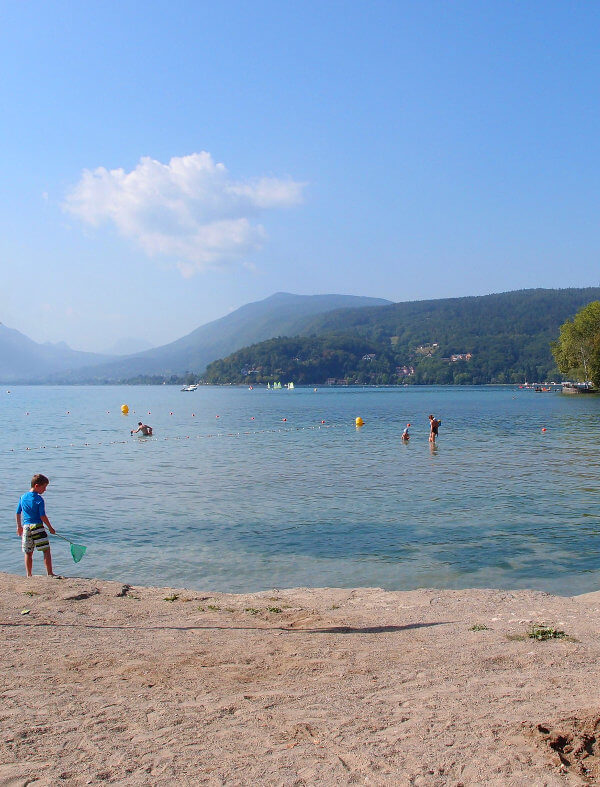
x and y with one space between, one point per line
34 537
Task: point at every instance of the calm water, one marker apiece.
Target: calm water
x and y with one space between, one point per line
249 501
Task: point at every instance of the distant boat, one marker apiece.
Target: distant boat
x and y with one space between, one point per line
276 385
289 386
578 388
189 387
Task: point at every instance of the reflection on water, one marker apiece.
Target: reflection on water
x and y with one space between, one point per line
249 500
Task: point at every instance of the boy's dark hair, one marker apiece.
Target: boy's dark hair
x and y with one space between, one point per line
39 480
140 423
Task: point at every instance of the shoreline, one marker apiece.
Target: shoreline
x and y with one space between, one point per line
263 386
104 682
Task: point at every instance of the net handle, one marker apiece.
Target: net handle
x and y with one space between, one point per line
64 538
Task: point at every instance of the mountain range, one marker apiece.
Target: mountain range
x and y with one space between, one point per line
502 337
23 360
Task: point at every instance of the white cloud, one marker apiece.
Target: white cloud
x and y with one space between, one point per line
189 209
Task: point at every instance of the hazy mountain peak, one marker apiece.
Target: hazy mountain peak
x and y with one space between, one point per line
281 314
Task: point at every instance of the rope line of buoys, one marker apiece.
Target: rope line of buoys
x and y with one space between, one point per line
124 410
155 438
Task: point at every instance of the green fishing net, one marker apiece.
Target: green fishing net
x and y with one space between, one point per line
77 551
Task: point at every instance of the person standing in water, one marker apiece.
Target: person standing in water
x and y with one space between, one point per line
405 434
434 425
144 429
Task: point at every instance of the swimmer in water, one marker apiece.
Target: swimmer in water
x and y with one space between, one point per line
144 429
405 434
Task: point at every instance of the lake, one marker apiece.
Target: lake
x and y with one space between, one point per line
242 490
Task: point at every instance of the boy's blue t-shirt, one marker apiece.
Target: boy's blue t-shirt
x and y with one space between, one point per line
31 505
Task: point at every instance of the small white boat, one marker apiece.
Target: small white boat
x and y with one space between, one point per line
189 387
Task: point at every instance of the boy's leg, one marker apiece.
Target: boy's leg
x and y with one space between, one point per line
28 563
48 562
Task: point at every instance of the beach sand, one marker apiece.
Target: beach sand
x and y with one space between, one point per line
103 683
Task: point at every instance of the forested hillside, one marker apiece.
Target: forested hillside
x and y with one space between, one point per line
503 338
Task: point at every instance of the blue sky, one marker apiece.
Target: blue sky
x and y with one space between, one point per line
165 163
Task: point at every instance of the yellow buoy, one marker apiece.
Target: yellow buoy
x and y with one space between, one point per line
359 421
124 409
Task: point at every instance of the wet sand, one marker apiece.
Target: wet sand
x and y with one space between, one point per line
103 683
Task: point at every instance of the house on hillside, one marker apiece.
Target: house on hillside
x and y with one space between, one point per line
405 371
461 357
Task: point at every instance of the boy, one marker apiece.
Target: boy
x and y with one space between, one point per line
31 529
405 434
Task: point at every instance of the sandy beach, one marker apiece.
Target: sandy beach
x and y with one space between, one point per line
103 683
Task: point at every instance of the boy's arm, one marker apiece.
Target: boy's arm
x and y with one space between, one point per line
46 521
19 525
